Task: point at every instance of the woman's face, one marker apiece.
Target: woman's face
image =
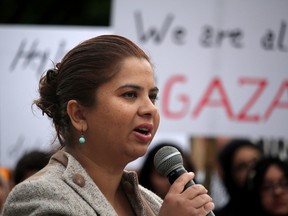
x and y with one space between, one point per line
125 117
244 159
274 192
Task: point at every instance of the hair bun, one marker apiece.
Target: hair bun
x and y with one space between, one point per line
51 75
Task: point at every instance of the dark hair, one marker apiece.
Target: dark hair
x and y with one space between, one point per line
30 161
82 70
256 177
225 158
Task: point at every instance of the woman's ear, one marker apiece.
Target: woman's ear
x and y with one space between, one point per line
76 113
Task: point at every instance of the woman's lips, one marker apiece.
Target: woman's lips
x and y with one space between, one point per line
143 137
143 132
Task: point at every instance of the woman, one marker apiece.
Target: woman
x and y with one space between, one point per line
236 159
268 184
101 99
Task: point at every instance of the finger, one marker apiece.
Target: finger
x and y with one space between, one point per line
200 201
180 182
194 191
204 209
208 207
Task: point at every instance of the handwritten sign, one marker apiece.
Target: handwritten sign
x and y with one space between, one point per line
221 67
26 52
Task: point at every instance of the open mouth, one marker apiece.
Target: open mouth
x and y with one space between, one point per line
144 131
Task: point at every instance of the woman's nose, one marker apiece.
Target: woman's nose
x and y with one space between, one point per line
148 108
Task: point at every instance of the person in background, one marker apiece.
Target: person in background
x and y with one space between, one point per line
235 159
102 100
268 187
151 179
4 190
30 163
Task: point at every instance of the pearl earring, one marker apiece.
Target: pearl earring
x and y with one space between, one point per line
82 138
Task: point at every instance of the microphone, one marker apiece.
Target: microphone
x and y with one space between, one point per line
168 162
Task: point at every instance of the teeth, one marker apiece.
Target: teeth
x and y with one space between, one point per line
144 129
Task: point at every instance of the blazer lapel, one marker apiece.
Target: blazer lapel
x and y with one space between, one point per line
78 179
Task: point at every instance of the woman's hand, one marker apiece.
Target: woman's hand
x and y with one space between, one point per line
193 201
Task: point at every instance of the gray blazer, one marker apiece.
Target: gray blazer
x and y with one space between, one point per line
63 187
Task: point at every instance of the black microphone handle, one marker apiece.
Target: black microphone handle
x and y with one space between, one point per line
172 176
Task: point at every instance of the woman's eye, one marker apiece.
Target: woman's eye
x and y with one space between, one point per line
153 97
130 95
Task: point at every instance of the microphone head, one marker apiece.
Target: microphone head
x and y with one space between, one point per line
167 159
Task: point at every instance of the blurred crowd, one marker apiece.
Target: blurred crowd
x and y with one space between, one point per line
242 179
28 164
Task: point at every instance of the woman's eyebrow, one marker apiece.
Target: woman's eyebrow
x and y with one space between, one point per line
137 87
131 86
155 89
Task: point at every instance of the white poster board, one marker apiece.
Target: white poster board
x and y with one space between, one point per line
25 53
221 66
